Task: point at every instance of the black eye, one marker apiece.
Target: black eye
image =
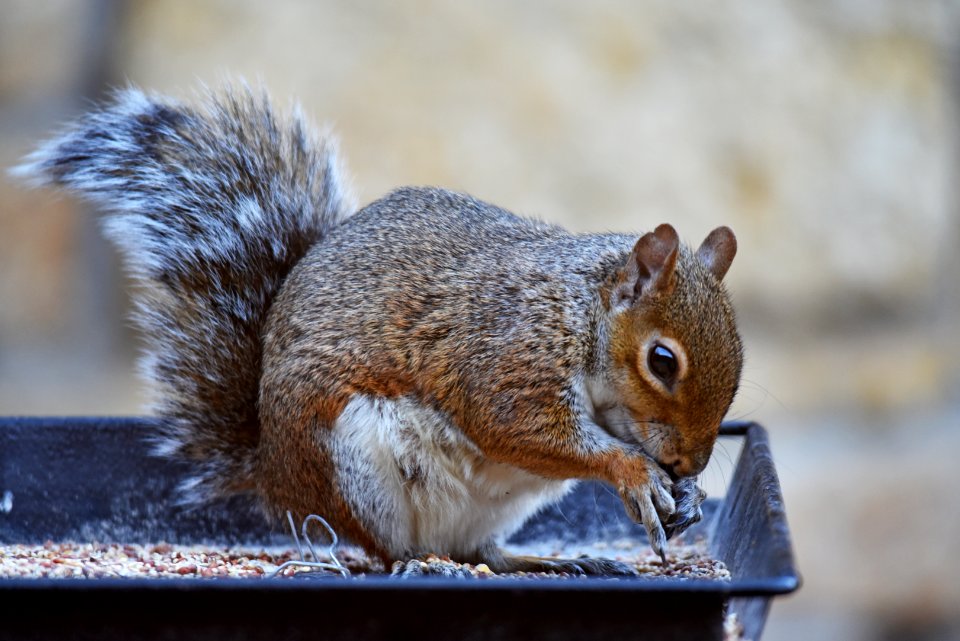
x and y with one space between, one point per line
662 363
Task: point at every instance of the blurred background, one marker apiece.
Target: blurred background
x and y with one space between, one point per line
823 131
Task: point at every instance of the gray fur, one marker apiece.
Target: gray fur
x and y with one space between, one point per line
689 497
211 207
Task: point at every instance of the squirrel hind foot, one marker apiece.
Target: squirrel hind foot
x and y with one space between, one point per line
589 566
510 564
432 567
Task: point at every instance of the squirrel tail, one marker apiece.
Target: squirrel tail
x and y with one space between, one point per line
211 206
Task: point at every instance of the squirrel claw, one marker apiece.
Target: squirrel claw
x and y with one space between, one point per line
401 570
652 505
658 541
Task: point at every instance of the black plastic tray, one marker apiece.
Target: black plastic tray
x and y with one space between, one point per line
86 479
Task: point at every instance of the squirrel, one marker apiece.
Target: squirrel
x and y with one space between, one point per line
425 372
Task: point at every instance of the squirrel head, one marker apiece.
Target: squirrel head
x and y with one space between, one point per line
675 354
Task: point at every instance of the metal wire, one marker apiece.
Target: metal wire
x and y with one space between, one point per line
333 566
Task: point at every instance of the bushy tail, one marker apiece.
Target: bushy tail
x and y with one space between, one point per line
211 207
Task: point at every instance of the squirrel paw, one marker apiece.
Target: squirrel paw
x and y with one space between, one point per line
688 497
651 504
433 566
580 566
597 566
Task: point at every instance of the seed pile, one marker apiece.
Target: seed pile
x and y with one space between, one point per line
99 560
685 563
106 560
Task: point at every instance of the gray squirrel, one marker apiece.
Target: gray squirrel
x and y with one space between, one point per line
426 372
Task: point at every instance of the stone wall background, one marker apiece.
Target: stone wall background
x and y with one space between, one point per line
823 131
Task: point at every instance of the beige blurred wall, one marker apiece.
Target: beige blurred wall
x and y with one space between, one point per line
824 132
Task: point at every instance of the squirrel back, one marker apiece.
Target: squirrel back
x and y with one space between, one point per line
211 207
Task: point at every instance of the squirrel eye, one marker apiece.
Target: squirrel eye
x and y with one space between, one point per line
662 363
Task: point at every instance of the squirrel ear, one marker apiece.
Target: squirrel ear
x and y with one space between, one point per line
651 264
718 250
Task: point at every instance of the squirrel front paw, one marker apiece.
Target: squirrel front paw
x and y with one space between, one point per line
430 566
651 503
688 496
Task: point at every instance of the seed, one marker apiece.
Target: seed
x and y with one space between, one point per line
163 560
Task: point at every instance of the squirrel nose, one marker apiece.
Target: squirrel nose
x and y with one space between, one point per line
673 467
680 466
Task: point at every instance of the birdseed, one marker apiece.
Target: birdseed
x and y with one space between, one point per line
164 560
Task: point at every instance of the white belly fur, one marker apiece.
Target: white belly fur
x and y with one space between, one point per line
421 486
